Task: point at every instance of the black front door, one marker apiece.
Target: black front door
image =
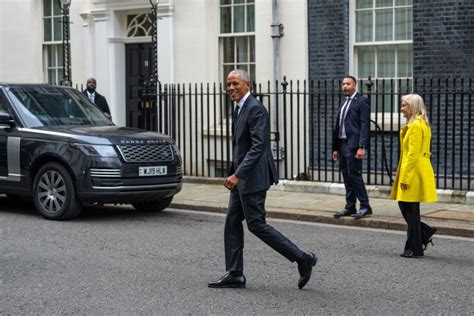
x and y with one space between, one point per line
138 68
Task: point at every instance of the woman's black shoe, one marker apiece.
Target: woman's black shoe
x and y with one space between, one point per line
410 254
429 241
425 244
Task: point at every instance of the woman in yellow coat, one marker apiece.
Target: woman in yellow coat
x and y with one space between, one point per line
415 182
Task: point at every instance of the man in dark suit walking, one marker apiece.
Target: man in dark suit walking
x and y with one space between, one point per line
251 174
95 97
350 139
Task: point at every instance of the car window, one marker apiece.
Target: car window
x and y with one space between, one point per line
55 106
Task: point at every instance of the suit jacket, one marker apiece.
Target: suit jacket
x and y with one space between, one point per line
252 159
357 124
100 101
414 166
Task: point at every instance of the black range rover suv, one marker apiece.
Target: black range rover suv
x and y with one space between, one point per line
61 150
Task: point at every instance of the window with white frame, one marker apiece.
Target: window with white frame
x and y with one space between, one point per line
237 36
52 42
383 46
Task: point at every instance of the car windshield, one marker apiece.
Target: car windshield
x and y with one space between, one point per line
55 106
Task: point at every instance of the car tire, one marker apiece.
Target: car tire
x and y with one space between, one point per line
153 205
54 194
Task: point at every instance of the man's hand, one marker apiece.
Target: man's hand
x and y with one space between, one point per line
335 155
360 153
231 181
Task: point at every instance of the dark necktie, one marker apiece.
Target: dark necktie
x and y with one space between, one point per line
235 116
343 114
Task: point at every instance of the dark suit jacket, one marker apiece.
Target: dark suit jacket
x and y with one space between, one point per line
252 158
357 124
100 101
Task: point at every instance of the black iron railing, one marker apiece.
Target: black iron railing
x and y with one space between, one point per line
302 117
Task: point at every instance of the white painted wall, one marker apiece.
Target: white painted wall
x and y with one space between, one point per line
188 42
21 33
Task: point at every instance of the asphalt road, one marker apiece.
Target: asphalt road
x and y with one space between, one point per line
117 261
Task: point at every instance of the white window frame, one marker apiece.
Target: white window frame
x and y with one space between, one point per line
389 119
57 45
235 35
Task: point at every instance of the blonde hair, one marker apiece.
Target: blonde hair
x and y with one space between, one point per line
417 106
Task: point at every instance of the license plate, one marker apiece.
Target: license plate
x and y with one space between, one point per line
152 171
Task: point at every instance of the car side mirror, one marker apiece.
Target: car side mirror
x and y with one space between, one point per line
6 120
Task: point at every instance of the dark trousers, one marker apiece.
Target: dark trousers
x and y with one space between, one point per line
417 231
251 207
351 169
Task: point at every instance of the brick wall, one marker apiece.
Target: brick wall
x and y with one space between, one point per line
443 38
328 38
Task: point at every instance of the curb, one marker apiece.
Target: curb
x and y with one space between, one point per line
374 191
444 227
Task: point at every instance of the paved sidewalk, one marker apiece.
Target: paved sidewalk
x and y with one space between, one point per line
292 202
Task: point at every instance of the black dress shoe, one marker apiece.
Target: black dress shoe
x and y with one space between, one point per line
305 268
363 212
344 212
410 254
229 281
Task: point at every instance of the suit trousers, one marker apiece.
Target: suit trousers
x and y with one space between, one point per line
351 169
417 231
251 207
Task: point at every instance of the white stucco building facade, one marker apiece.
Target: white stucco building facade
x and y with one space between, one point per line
189 42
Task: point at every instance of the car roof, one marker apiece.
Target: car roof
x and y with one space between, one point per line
11 84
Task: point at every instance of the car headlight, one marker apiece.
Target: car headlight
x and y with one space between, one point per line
97 150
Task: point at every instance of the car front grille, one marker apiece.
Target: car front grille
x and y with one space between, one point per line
147 153
105 173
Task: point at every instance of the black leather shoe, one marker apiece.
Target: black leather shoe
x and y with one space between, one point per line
363 212
344 212
305 269
410 254
229 281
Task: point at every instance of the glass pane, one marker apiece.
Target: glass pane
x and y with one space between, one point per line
366 61
46 7
250 1
252 49
250 18
364 4
252 73
228 47
383 3
226 20
242 49
58 51
364 26
386 61
47 30
405 61
403 24
52 76
56 7
225 2
58 29
403 2
60 75
239 19
51 56
238 1
384 25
